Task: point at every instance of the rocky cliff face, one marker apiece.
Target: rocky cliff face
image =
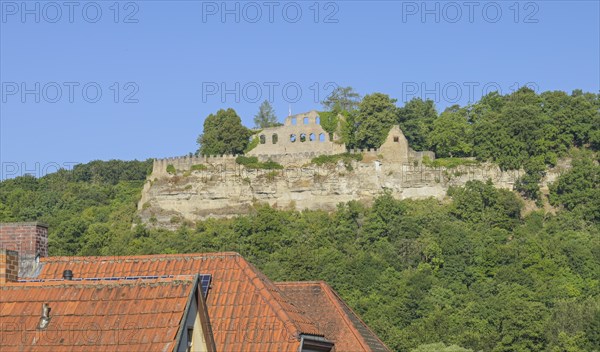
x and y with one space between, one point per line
228 189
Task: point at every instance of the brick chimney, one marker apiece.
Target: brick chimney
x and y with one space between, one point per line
27 238
9 266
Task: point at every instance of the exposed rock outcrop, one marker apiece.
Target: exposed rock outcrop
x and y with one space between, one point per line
225 189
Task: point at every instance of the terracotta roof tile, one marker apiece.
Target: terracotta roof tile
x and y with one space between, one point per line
247 311
90 316
334 318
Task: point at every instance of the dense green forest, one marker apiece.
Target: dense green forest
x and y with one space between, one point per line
518 130
471 272
521 129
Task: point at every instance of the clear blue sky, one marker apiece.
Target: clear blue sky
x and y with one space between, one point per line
167 63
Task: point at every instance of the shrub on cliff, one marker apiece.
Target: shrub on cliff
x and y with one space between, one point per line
171 169
251 162
448 163
333 159
198 167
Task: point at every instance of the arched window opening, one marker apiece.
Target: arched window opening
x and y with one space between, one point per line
306 120
302 137
318 120
292 138
263 140
311 137
274 138
322 137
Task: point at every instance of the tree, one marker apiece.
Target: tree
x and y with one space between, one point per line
223 134
515 134
342 98
528 184
479 202
451 134
425 275
416 121
377 113
573 118
384 221
266 116
579 188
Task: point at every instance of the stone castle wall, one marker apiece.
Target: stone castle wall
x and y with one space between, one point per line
183 163
222 162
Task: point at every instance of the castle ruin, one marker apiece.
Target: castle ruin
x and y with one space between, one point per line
299 134
296 143
217 186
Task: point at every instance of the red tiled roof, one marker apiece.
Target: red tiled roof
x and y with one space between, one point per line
247 311
132 315
339 323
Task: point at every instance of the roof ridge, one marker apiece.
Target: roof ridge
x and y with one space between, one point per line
281 312
338 302
24 223
96 283
55 259
335 301
298 283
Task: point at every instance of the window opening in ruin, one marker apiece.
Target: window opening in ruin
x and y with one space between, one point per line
294 121
396 139
292 138
311 137
275 138
263 140
318 120
322 137
302 137
306 120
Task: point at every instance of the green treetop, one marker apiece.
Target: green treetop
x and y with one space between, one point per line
266 116
342 99
416 121
377 113
223 134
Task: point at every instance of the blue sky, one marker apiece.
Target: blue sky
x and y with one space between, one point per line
135 79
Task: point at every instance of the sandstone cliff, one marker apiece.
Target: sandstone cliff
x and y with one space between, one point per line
221 188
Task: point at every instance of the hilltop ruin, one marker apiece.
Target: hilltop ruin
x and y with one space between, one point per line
199 187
